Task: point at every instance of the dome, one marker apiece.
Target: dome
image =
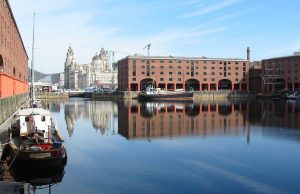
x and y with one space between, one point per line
96 57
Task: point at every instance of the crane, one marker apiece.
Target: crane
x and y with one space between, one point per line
113 56
148 48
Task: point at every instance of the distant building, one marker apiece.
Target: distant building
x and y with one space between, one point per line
13 56
171 73
281 73
255 79
98 73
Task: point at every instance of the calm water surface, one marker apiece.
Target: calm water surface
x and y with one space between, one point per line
203 147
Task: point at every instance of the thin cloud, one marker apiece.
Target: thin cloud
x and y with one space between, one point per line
209 9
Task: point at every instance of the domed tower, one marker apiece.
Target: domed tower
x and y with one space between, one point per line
69 65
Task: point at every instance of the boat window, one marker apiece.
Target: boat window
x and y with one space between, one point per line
43 118
27 119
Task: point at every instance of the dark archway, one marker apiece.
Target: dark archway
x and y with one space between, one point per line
225 84
192 84
192 110
225 109
1 63
147 83
134 87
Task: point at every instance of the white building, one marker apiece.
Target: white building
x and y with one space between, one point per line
98 73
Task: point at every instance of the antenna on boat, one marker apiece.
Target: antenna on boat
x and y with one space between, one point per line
32 92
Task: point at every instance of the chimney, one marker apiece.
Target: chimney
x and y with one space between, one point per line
248 53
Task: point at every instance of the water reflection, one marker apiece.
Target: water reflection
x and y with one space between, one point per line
103 115
178 119
162 119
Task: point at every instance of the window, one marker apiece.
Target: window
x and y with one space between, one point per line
204 67
161 79
143 61
236 63
179 79
143 67
152 61
170 79
213 62
143 72
161 67
236 73
188 67
188 73
179 61
170 61
204 73
161 73
236 79
179 73
220 68
133 73
204 79
152 72
236 68
134 79
152 66
170 66
179 67
212 73
161 61
212 79
170 73
220 62
220 73
197 73
212 67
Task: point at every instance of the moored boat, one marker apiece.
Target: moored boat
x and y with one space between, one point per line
35 141
151 94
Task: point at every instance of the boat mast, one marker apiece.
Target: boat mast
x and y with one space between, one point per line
32 92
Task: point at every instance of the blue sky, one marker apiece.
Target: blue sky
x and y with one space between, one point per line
211 28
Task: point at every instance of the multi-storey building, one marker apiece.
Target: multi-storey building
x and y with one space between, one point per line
13 56
281 73
171 73
99 72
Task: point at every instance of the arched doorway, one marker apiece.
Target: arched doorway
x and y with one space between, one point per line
147 83
225 84
192 84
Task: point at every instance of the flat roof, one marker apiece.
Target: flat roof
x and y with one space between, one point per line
181 58
281 57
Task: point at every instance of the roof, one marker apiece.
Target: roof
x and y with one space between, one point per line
29 111
182 58
282 57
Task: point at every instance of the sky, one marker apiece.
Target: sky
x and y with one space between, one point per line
210 28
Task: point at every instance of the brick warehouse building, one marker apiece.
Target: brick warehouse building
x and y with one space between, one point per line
281 73
13 56
171 73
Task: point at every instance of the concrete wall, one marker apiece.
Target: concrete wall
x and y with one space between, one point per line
52 95
115 95
10 104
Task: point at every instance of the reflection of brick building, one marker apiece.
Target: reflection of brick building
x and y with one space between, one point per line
171 73
281 72
13 56
150 120
255 80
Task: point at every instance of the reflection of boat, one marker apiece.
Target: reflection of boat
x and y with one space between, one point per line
293 96
158 94
38 179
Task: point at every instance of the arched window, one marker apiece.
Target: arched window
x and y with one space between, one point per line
1 63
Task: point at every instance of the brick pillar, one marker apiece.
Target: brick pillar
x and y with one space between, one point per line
174 86
208 87
217 108
217 87
208 107
129 87
232 87
240 87
166 87
139 87
200 87
183 86
201 108
232 107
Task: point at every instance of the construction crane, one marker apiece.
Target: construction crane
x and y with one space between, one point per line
148 48
112 59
